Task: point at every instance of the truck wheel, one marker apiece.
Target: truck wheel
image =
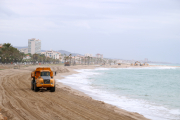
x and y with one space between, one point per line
36 89
52 89
33 79
32 85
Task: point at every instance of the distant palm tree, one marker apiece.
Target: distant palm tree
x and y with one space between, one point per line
74 60
88 59
79 60
70 58
85 60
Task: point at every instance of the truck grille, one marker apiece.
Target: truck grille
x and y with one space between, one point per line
46 81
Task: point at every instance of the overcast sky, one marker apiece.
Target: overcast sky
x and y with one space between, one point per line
126 29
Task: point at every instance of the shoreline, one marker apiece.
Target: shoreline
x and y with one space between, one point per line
77 92
83 92
18 101
72 69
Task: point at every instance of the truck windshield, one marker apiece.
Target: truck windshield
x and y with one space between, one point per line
45 73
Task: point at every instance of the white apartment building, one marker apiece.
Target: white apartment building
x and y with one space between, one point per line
52 54
99 56
87 54
34 46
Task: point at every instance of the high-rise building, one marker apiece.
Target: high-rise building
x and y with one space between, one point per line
34 46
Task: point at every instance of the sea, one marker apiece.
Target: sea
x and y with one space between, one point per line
153 92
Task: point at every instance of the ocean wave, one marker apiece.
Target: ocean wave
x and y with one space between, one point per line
151 68
150 110
102 68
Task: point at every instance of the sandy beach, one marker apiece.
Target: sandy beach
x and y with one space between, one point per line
102 59
18 101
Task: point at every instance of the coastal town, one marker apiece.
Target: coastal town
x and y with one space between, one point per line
18 65
33 54
89 60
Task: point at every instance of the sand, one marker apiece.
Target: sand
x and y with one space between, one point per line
19 102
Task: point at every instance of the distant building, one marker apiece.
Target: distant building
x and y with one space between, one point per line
99 56
52 54
145 60
34 46
118 61
26 57
87 54
24 50
1 45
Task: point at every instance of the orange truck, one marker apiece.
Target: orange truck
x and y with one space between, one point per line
42 78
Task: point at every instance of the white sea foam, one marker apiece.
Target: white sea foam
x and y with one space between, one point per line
102 69
150 68
150 110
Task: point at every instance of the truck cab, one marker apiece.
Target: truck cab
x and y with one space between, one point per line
42 78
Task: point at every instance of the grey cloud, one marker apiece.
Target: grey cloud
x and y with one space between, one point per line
129 29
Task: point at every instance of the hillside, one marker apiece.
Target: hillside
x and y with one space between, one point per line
61 51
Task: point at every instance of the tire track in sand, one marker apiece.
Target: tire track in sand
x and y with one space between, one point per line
18 101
